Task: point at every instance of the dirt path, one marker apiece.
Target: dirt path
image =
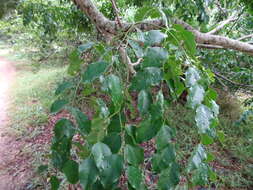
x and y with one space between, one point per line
9 146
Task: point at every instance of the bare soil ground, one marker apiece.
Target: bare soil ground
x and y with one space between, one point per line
13 167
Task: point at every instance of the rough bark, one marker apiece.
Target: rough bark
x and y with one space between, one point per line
112 28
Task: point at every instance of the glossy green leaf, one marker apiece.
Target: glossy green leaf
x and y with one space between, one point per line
147 129
192 76
145 12
203 118
114 86
95 70
138 50
58 105
70 169
150 76
195 96
154 37
201 175
88 173
198 157
60 151
210 157
102 107
186 37
206 139
114 125
163 137
64 127
168 154
98 130
84 124
134 155
169 178
99 152
144 101
134 176
113 140
55 183
111 173
154 57
75 62
62 87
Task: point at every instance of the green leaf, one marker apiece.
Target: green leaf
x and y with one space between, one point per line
137 48
88 173
191 76
84 124
62 87
98 129
58 105
84 47
145 12
154 37
144 100
95 70
155 57
210 157
150 76
203 118
186 37
113 85
206 139
111 173
169 178
130 135
60 151
198 157
201 175
103 110
168 155
64 127
134 176
134 155
55 183
147 129
99 152
214 108
163 137
195 96
70 169
114 125
113 140
75 63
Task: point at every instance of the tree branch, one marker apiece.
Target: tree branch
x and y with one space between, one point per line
232 82
112 28
222 24
116 12
245 37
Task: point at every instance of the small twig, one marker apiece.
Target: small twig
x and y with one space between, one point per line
245 37
232 82
208 46
222 24
116 12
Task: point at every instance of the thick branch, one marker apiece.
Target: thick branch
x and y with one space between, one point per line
222 24
112 28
